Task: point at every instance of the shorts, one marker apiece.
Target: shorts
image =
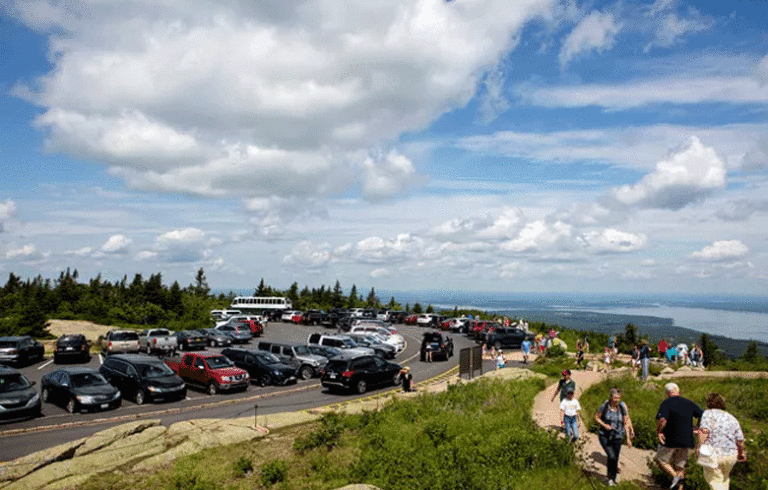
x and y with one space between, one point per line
675 456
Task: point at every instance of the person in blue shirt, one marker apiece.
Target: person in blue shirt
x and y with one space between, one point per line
526 348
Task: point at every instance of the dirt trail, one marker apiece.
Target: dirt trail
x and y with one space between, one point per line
632 463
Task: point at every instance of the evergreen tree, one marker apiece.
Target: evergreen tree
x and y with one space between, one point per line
417 308
337 296
372 301
751 354
352 301
262 289
200 288
430 309
712 354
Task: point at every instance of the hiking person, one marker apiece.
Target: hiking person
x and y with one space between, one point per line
614 421
722 432
570 413
674 425
565 385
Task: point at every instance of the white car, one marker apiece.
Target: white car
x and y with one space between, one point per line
425 319
395 340
287 315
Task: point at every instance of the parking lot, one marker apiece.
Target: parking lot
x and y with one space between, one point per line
57 425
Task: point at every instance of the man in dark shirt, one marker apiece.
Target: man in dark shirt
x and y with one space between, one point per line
675 429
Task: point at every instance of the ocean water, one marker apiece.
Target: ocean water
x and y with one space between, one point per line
731 322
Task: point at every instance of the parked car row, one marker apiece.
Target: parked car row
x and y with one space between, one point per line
129 371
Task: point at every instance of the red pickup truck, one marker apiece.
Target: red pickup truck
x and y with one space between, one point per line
209 370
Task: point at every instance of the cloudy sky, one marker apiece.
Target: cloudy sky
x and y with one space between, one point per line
534 145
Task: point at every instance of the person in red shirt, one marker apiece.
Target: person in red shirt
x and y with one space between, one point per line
663 349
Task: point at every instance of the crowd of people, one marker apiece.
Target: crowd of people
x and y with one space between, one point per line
716 437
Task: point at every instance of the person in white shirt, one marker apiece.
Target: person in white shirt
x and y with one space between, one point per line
570 413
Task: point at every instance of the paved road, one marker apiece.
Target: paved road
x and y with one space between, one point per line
58 426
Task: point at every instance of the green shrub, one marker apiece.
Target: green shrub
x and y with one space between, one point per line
242 466
332 425
274 472
556 351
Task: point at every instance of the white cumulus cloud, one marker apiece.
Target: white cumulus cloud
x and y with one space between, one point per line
721 251
688 175
116 244
613 241
308 254
7 209
538 235
258 99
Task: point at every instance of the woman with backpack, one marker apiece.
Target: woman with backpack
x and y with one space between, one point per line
614 421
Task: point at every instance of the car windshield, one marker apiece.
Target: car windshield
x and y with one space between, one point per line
13 382
267 358
68 339
349 343
218 362
302 350
82 380
123 336
155 370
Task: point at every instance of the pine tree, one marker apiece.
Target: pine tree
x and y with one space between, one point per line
200 288
352 301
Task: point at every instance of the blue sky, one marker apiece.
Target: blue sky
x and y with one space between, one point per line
528 146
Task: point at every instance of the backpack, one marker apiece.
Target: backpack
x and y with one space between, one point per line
607 403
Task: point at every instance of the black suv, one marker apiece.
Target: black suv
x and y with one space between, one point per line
314 317
264 367
18 398
437 343
507 337
358 373
21 350
143 378
74 346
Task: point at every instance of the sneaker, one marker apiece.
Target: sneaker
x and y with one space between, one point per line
611 483
675 481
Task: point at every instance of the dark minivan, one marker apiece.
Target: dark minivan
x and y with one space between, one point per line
264 367
143 378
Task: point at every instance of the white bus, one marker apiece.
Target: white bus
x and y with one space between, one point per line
257 304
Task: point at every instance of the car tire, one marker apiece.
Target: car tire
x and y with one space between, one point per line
140 397
212 388
265 380
71 405
56 360
45 395
306 372
361 386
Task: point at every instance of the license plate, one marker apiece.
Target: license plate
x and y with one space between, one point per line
332 375
105 405
70 348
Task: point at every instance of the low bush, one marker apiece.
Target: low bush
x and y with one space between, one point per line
274 472
326 435
242 466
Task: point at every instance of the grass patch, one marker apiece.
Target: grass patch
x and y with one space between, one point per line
477 435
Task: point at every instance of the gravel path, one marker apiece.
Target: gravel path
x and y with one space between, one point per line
633 462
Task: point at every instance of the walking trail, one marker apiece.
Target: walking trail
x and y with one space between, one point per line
633 463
